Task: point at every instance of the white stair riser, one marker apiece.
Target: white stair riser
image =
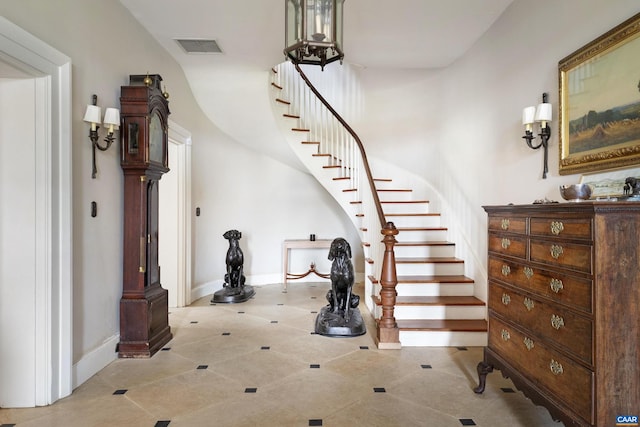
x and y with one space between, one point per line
442 339
421 235
435 289
394 195
414 221
391 208
439 312
430 269
424 251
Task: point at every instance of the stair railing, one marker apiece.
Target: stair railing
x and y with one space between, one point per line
346 153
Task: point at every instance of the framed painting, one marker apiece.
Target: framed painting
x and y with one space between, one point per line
600 102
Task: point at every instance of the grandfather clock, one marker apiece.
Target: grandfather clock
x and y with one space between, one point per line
144 306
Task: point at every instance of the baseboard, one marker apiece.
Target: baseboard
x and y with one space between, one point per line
209 288
94 361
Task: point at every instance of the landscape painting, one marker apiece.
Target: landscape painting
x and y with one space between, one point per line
600 102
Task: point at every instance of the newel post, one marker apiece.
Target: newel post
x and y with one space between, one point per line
388 333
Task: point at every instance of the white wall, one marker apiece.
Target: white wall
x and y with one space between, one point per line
235 187
460 127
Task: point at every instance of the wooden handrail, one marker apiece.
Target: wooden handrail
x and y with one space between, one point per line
365 162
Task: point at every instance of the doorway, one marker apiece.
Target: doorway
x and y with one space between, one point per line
175 219
35 221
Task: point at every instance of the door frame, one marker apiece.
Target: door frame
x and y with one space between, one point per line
54 255
181 137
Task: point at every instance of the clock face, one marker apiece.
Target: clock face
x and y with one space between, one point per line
156 139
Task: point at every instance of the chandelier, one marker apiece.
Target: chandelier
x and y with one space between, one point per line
313 31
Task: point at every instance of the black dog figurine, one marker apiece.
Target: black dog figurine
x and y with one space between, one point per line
341 317
342 278
235 260
234 289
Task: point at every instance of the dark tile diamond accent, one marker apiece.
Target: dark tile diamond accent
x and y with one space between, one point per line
13 425
241 312
314 366
508 390
251 390
425 366
467 422
314 297
166 349
379 390
315 422
314 333
226 333
120 391
274 321
463 349
194 321
364 347
280 304
202 366
314 312
265 347
162 423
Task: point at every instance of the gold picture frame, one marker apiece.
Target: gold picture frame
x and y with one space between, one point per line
600 102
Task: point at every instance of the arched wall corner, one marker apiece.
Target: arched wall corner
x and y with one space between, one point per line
53 332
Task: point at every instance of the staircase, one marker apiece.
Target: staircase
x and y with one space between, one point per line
435 303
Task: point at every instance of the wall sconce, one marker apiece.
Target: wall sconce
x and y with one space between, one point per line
542 115
111 119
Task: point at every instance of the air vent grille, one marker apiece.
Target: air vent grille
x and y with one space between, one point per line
199 46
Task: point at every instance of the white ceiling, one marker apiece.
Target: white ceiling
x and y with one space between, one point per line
377 33
231 88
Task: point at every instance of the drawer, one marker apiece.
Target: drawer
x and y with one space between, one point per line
556 374
511 245
563 288
506 223
575 228
546 320
569 256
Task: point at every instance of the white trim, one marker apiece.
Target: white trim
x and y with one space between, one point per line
54 184
182 138
95 360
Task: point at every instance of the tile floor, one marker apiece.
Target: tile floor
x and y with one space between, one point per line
259 364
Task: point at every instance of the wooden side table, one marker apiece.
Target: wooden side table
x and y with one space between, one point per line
288 245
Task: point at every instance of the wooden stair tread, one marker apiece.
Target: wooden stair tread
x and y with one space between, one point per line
411 214
282 101
403 201
435 279
401 190
430 243
401 229
291 116
459 325
425 260
434 300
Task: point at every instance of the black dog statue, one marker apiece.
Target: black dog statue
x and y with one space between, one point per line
234 288
341 317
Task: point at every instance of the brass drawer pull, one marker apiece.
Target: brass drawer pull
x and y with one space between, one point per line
556 251
506 299
506 270
528 342
505 224
506 243
557 321
528 272
505 335
556 285
556 367
556 227
528 302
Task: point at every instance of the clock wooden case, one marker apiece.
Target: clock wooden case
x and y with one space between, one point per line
144 318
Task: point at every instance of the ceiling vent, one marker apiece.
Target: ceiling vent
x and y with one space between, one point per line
199 46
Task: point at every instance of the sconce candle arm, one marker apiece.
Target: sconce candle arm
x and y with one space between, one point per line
543 116
93 116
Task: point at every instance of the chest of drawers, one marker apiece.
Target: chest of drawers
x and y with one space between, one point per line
564 307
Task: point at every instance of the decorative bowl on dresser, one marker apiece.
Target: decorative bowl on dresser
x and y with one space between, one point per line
564 307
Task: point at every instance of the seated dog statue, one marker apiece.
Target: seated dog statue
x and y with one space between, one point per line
341 317
234 288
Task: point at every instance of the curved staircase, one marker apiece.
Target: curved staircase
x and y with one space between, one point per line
435 303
